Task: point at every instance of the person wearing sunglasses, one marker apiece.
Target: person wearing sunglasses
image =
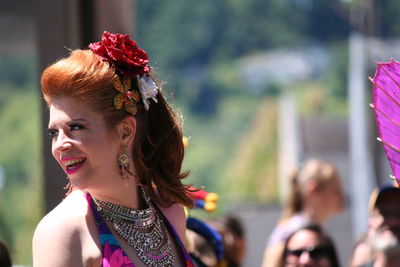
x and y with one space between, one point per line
380 245
309 247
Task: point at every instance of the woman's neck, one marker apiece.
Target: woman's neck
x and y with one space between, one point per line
124 192
315 214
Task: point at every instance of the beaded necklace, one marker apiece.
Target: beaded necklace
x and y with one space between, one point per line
143 230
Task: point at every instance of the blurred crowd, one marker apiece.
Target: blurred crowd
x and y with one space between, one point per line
300 239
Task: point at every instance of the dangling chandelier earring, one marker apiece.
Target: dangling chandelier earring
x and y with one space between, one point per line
68 187
123 162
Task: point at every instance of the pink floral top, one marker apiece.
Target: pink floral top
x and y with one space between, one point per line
113 254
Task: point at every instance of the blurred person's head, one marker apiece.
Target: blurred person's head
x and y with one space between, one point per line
232 231
205 245
381 242
384 221
5 258
309 247
201 250
316 189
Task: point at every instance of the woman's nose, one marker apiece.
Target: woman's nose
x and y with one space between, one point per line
62 143
304 258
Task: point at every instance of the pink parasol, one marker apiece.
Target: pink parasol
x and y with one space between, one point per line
386 104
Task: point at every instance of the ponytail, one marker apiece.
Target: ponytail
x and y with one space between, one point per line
295 201
158 154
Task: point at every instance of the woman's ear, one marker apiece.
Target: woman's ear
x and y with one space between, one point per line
126 130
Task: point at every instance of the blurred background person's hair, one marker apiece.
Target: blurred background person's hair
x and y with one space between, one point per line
5 258
316 176
200 249
232 232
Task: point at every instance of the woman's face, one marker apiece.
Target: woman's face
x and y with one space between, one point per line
333 197
305 249
81 142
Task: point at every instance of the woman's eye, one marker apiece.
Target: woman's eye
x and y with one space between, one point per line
74 127
52 133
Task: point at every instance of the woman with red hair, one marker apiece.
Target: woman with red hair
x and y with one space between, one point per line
120 144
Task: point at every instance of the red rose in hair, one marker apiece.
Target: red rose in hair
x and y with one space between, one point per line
122 52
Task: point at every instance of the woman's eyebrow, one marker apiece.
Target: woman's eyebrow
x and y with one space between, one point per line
50 125
77 120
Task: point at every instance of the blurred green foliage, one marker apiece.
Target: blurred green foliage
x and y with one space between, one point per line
195 46
388 13
20 198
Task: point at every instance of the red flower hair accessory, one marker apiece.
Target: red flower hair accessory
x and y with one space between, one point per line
123 53
129 61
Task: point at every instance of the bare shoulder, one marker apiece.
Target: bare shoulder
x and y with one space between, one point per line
176 215
57 238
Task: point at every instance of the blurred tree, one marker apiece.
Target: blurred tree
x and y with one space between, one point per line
370 17
197 44
20 204
193 37
390 19
325 25
17 71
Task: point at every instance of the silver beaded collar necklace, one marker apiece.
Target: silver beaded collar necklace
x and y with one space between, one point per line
144 230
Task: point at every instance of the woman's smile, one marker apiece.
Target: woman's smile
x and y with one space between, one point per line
72 165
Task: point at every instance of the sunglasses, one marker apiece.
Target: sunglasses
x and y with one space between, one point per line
315 253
